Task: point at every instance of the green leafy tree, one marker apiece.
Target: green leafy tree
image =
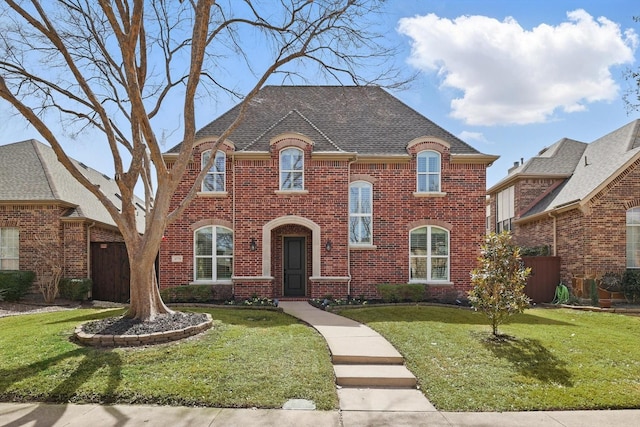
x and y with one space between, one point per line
499 280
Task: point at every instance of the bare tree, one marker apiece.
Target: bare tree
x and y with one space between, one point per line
48 264
113 66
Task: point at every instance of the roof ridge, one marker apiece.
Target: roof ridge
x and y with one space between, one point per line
45 168
318 130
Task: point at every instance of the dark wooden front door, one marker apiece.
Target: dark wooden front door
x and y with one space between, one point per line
294 266
110 272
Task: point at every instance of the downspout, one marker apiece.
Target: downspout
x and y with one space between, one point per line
89 253
555 232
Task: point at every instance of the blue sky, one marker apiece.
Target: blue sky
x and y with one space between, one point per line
508 77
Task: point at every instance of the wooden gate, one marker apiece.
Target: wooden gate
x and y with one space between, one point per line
545 276
110 272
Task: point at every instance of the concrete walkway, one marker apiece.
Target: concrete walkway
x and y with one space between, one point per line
370 373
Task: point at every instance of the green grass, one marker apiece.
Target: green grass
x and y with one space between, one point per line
554 359
249 358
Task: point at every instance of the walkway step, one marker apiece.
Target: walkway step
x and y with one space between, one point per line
384 399
368 349
393 376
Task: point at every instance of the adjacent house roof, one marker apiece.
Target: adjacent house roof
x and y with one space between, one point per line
31 172
588 167
362 119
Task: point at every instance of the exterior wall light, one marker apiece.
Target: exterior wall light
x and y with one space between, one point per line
328 246
253 246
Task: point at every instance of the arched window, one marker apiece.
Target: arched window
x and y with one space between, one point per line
213 254
429 254
633 238
360 213
215 179
428 172
291 169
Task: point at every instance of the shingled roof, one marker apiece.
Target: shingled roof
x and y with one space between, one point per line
362 119
588 167
31 172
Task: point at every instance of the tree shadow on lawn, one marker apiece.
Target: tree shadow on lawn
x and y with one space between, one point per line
453 314
530 358
65 391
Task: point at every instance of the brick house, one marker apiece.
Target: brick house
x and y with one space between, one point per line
581 200
44 209
328 191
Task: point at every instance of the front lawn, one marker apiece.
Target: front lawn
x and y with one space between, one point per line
555 359
249 358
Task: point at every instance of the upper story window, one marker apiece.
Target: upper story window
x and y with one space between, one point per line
214 181
291 169
360 212
505 209
429 254
428 172
633 238
9 248
213 253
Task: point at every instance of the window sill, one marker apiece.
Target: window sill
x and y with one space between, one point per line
212 194
429 194
362 247
211 282
291 192
432 282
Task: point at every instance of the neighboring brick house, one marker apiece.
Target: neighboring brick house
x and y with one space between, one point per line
581 200
328 191
44 211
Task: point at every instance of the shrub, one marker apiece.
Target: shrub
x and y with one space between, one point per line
406 292
611 282
75 289
499 280
187 293
631 285
16 284
535 251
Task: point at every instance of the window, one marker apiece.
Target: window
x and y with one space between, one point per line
213 253
633 238
429 254
428 172
360 203
291 169
9 248
214 181
505 209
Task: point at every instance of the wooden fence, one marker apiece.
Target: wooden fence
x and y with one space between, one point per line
545 276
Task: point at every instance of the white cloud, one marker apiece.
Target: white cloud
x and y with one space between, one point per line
468 136
509 75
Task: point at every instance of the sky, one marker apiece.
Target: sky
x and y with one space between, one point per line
508 77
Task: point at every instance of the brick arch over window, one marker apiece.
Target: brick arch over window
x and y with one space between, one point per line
291 219
214 222
424 222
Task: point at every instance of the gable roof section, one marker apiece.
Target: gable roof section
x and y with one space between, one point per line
601 161
31 172
362 119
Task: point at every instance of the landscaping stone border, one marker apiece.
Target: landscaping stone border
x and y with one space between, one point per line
99 340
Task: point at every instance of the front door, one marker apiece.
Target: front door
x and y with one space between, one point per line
294 266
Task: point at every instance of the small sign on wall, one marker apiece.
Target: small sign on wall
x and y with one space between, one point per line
176 258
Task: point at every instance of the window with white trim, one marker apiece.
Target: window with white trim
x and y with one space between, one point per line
633 238
291 169
360 213
429 254
214 181
428 174
9 248
505 209
213 253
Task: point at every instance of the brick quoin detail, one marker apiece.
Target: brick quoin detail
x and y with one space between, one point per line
252 187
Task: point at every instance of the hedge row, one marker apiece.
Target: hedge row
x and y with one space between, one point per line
15 284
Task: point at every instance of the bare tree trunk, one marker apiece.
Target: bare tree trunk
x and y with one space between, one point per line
145 302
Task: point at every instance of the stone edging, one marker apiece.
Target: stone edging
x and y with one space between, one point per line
98 340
